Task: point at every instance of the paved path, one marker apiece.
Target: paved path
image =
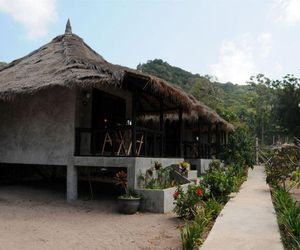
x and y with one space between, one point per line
248 220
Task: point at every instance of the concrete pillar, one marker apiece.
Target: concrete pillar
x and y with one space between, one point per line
72 180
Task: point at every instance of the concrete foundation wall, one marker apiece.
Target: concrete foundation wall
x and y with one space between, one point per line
39 128
134 165
142 164
202 165
158 201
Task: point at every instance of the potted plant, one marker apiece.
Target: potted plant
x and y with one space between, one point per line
129 202
184 167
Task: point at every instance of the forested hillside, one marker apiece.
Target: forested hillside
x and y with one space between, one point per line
268 108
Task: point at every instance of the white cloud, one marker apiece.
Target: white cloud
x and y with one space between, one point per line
289 11
34 15
241 58
266 43
235 64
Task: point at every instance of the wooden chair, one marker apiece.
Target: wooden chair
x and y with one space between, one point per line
107 140
126 143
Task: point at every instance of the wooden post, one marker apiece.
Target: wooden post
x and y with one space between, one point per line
257 150
180 133
133 125
209 142
218 141
161 127
199 138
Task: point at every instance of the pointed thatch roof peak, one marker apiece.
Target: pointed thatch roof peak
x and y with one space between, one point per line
68 29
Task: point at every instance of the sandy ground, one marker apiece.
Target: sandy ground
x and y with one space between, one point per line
295 192
39 218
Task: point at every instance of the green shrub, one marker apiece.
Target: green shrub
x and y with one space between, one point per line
191 232
218 183
157 177
188 204
212 208
281 166
236 175
240 149
288 218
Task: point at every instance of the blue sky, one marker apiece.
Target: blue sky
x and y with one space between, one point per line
230 39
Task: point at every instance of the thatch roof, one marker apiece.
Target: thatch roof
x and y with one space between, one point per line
68 61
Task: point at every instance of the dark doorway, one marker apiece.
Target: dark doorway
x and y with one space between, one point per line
108 110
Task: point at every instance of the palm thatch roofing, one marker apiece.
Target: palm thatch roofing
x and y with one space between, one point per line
68 61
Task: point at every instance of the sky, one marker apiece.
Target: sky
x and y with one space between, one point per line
229 39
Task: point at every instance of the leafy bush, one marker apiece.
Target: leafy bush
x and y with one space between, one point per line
295 178
288 218
236 175
240 149
217 181
213 208
188 204
157 177
192 231
283 162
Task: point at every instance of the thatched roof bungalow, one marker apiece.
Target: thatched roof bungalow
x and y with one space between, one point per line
63 103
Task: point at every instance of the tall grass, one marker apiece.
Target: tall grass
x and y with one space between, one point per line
288 218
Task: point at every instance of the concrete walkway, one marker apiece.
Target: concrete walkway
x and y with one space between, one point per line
248 221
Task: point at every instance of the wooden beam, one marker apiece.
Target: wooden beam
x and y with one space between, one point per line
209 142
161 127
218 144
133 125
180 133
199 138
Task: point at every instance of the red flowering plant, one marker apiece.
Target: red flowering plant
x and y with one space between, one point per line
121 180
188 204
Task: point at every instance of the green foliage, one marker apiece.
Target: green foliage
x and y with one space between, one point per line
236 175
188 204
240 149
230 100
157 177
295 178
216 180
283 162
277 105
266 107
288 218
213 208
191 233
167 72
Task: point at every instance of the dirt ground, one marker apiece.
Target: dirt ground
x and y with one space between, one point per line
295 192
34 217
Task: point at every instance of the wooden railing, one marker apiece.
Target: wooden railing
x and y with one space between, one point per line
195 149
117 141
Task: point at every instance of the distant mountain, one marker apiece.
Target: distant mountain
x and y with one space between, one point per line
159 68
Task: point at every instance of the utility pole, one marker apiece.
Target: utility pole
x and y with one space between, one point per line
256 150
